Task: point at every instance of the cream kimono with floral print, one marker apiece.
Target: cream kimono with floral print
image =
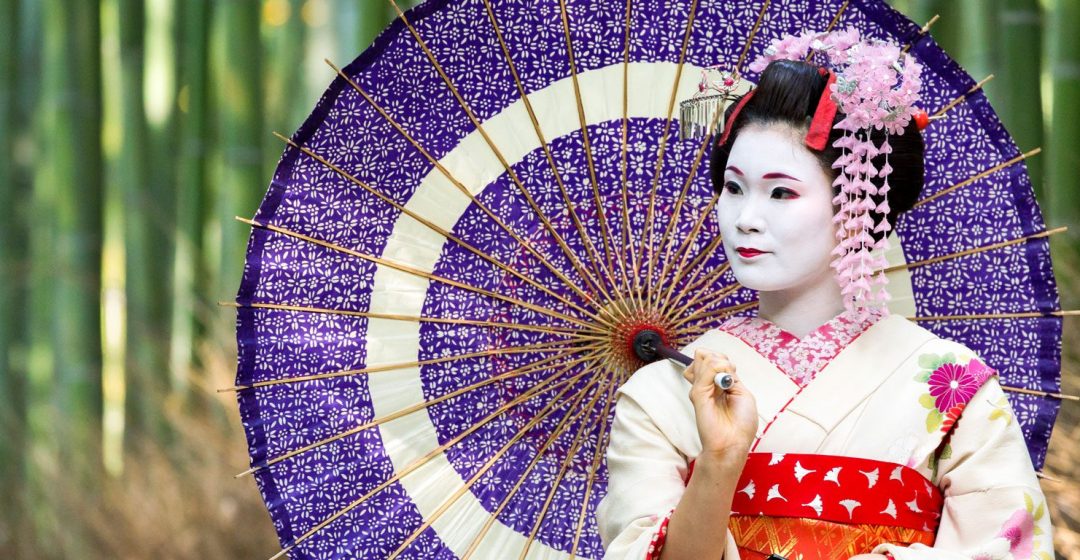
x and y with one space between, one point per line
891 392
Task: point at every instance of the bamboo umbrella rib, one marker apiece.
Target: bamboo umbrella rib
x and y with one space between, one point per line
437 229
832 24
587 145
676 213
575 332
923 31
421 461
525 349
559 477
536 365
670 258
1020 315
750 37
574 446
523 95
1041 393
962 97
702 284
703 255
419 273
978 176
625 246
702 288
679 275
548 409
723 312
836 17
966 252
628 239
714 299
601 444
679 278
462 188
575 262
697 282
648 231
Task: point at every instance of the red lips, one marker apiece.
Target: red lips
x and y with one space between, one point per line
748 252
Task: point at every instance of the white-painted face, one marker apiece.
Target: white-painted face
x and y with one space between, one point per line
776 200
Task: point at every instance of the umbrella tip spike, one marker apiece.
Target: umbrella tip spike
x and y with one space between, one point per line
252 470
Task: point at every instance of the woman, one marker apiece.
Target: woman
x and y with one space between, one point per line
849 433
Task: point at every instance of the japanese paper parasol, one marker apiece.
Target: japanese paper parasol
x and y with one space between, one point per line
486 206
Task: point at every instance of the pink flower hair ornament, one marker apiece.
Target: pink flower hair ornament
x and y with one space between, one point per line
875 86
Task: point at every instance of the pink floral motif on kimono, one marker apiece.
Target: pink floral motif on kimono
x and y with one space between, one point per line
801 359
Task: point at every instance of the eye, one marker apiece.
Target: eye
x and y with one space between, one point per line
782 193
732 187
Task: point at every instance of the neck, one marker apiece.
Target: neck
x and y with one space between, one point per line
802 309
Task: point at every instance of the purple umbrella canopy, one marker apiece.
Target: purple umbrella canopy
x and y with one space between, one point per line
489 202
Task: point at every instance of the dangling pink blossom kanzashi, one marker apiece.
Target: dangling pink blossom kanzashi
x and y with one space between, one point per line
876 88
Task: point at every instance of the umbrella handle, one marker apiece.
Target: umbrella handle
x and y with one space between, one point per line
649 346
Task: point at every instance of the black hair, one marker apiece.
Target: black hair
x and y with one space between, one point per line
788 93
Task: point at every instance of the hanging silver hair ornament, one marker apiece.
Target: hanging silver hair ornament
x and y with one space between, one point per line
697 114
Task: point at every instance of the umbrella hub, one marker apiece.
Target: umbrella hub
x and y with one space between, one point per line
629 335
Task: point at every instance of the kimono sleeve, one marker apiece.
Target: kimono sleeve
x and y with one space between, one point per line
646 480
993 505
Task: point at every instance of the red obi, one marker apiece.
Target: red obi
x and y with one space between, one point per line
826 507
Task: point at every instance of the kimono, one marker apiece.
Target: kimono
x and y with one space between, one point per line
874 435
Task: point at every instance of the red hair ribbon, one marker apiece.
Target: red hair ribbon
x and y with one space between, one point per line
734 115
822 123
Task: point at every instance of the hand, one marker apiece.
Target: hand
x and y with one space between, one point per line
727 420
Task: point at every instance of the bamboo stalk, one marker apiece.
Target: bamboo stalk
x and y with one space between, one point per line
239 189
14 288
1063 113
189 268
1018 100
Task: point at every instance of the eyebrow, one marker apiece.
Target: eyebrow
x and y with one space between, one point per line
778 176
738 171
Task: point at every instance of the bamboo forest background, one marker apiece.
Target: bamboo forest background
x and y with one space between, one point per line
131 133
